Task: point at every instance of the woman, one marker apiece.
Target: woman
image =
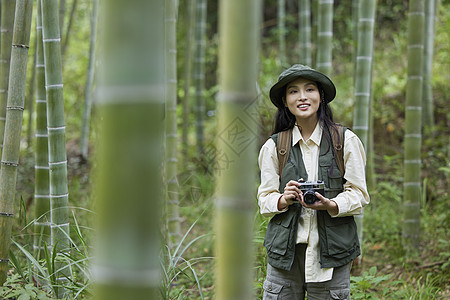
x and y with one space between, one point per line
310 247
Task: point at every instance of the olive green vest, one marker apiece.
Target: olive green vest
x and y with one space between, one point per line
338 239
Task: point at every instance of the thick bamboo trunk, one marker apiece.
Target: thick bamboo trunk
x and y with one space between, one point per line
363 81
413 126
131 105
13 127
172 204
85 129
304 16
7 23
236 139
57 160
199 72
42 174
325 37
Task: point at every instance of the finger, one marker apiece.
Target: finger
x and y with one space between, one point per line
320 197
293 183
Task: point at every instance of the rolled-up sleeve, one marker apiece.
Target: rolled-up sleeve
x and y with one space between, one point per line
268 191
355 195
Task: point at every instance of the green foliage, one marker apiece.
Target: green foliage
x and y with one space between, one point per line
178 271
16 288
362 287
41 271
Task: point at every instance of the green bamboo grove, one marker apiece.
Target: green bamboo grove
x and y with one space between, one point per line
236 138
13 127
172 202
57 159
7 22
324 36
42 173
363 81
130 101
413 126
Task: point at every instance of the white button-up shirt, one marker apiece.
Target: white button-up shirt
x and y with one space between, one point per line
350 201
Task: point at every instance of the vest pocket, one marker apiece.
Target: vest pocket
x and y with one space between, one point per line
333 180
341 236
277 235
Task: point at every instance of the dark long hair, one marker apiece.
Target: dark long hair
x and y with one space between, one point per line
285 120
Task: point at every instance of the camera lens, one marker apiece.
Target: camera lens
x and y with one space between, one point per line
309 197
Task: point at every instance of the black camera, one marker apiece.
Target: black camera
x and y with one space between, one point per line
308 189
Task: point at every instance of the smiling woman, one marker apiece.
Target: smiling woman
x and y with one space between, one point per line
310 246
303 100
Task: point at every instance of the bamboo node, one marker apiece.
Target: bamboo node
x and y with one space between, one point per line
20 46
9 163
4 214
15 108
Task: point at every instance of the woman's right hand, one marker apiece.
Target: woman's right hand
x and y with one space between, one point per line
292 194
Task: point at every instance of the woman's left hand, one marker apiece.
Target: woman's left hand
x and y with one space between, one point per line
323 204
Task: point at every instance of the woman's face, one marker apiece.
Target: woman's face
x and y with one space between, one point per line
303 99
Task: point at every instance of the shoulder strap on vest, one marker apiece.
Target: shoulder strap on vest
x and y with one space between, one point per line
338 142
284 143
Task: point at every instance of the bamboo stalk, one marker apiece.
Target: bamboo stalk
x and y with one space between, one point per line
62 13
187 77
363 81
172 204
428 106
69 28
7 24
42 232
325 37
413 125
130 101
85 128
304 16
57 159
29 100
13 127
199 72
282 31
236 139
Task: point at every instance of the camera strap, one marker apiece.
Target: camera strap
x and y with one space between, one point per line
284 144
338 144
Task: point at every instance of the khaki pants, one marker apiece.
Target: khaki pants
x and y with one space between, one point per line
290 285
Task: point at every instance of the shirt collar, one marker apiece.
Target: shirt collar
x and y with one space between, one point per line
315 137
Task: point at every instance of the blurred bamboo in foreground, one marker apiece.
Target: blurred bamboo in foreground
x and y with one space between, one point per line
236 148
130 100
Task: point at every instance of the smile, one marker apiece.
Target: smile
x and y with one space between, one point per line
303 106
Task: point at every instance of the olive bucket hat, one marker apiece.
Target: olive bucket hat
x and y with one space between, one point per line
295 71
